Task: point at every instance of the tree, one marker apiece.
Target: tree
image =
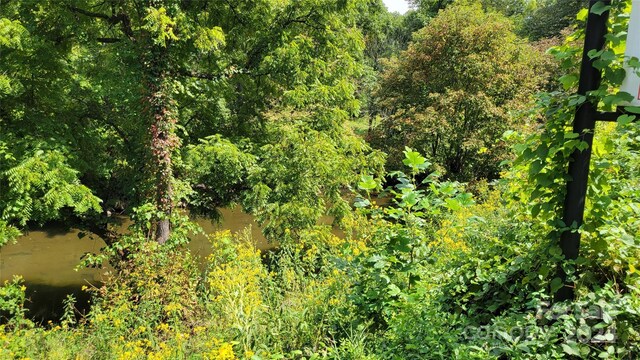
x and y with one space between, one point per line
454 92
534 19
39 181
151 99
385 35
431 7
550 17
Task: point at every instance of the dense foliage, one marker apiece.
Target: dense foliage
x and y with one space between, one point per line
136 96
456 90
258 102
533 19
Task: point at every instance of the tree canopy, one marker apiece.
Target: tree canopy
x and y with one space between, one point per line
138 94
456 89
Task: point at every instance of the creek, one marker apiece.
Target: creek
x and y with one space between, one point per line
47 259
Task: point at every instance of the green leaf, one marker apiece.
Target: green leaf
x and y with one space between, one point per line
608 55
571 135
632 109
410 198
380 264
556 284
361 203
402 244
599 8
615 75
568 81
465 199
582 145
571 349
555 251
577 100
582 14
622 97
536 167
592 54
394 290
505 335
628 239
367 182
535 210
453 204
414 160
626 119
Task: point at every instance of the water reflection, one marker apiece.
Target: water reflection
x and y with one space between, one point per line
47 259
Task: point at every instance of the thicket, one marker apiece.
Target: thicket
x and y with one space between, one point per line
427 267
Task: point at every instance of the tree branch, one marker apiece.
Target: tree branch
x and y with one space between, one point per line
108 40
120 18
111 19
235 13
126 25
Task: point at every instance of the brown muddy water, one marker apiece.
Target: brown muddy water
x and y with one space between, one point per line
47 259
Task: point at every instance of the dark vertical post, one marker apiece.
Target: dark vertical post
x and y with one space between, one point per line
584 124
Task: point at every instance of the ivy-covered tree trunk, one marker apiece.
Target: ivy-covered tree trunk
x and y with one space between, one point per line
162 137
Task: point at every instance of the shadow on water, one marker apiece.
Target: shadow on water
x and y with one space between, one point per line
46 302
55 231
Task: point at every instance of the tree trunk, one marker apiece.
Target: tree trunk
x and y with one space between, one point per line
163 139
163 231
